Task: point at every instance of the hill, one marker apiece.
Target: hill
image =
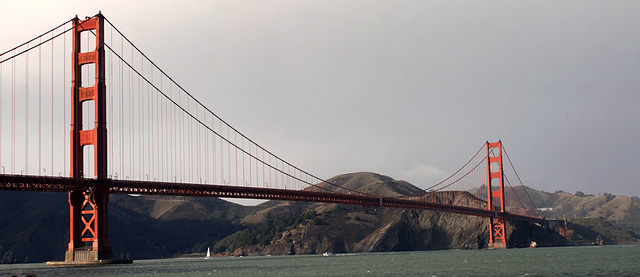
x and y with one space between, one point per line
615 218
305 228
616 208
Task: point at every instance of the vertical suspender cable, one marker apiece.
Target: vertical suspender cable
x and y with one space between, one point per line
221 157
206 150
39 109
270 170
243 174
198 147
213 146
52 104
164 142
26 113
185 142
140 106
192 145
174 141
148 123
229 154
163 139
187 133
235 141
172 138
141 136
189 153
166 122
131 118
289 176
151 131
65 155
176 138
121 110
13 114
156 156
111 170
182 140
132 113
1 109
154 130
199 150
163 131
137 124
1 104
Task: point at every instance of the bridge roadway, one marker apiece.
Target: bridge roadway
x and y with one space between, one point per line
65 184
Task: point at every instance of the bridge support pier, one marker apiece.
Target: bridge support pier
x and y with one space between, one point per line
88 227
495 195
497 239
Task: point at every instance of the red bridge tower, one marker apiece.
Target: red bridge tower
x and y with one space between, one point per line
88 240
495 195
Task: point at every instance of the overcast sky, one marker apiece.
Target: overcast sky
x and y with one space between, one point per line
409 89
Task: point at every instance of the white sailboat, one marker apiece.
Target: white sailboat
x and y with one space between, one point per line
208 253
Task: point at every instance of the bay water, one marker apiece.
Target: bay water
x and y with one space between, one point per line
611 260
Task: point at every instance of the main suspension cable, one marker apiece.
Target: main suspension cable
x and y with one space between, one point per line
220 119
37 37
519 180
37 45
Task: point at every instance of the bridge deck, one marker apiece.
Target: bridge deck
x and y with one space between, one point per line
65 184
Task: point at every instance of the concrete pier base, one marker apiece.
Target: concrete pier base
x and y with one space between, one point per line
88 263
88 258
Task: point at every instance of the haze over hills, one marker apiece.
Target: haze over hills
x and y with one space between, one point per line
34 225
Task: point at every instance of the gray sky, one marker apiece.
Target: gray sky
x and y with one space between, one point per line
409 89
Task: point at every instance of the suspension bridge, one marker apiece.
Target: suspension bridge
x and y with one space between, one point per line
83 110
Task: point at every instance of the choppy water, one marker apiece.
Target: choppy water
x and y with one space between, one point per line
617 260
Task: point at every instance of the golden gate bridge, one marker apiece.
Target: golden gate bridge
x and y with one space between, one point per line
83 110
